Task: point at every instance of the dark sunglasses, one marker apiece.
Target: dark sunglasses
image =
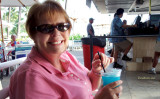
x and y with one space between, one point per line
49 28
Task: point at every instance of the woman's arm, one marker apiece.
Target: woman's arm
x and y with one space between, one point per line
95 78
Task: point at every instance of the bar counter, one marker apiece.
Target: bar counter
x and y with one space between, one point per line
143 46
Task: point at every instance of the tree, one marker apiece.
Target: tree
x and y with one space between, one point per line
14 19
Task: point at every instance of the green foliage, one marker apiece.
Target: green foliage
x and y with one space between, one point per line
75 37
14 18
23 39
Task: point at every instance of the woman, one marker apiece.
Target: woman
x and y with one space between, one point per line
51 72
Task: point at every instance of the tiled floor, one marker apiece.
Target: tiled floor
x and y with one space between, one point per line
140 85
136 85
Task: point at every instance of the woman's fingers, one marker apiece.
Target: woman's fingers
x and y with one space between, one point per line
96 56
110 91
114 84
97 65
111 59
115 88
118 90
102 59
106 60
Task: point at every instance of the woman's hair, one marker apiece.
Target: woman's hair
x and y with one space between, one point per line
38 11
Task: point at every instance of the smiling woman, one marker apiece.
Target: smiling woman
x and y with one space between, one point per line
50 71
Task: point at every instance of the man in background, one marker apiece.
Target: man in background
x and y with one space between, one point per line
120 44
156 56
90 29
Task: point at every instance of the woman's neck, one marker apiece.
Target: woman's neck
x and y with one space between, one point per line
54 59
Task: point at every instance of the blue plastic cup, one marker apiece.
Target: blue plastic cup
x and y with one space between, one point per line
111 75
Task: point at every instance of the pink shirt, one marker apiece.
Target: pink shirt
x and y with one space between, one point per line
36 78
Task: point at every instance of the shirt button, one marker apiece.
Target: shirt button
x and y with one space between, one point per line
78 79
85 83
71 75
88 89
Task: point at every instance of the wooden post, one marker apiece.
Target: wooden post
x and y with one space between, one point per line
19 19
8 21
149 7
1 24
66 5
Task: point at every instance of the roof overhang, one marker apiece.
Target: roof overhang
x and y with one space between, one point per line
129 6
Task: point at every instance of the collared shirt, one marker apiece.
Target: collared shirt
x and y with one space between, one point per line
36 78
90 27
117 30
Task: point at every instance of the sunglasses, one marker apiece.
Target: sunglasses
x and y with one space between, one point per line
49 28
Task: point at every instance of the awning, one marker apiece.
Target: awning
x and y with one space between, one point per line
17 3
129 6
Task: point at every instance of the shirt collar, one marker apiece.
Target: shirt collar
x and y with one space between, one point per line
38 58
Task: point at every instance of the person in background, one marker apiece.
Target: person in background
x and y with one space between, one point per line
111 51
90 29
120 44
156 56
11 53
50 71
13 41
12 44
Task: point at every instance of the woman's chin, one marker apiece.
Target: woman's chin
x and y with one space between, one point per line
57 51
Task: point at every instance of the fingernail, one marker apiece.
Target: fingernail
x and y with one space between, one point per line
121 81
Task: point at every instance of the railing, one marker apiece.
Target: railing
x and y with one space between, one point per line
75 44
11 63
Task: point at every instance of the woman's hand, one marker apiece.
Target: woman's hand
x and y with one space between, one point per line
96 64
110 91
4 93
95 75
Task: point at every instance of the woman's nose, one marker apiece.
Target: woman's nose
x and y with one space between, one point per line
55 32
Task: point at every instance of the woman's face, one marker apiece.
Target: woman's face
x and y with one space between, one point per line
54 43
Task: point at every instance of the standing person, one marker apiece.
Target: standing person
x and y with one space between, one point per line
50 71
120 44
156 56
90 29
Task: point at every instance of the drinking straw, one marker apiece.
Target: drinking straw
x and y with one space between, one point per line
101 61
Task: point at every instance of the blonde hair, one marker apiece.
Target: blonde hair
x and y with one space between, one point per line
43 10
